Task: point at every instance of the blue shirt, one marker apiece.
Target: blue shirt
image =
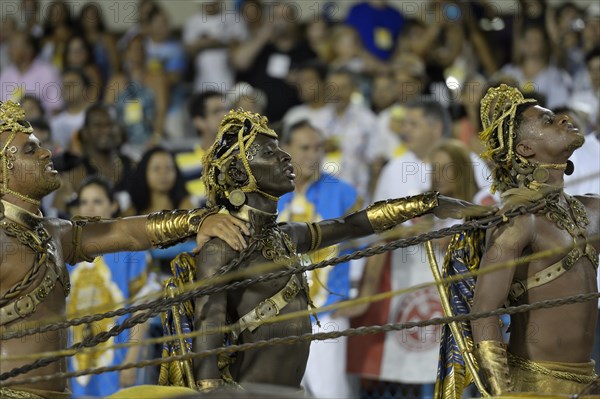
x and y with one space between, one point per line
98 287
378 28
326 198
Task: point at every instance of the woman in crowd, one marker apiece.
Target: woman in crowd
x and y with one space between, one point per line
139 95
99 285
157 184
78 54
93 29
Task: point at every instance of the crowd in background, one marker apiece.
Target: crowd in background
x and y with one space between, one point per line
379 103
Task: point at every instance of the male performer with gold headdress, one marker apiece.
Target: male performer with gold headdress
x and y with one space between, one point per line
549 349
33 279
246 172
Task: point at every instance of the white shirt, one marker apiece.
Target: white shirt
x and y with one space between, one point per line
64 125
586 177
554 83
355 131
213 71
387 140
316 116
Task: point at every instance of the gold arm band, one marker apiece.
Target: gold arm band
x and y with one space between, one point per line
319 235
166 228
492 358
209 385
313 236
384 215
78 223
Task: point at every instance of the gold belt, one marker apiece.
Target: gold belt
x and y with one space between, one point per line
267 309
26 304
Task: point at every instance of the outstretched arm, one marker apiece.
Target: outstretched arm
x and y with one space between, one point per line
380 217
507 243
85 239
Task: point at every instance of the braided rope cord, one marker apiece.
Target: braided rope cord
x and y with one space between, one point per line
290 340
160 305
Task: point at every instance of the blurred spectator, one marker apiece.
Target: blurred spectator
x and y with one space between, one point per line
586 177
587 98
157 184
347 52
140 96
93 29
272 51
452 168
312 90
101 142
591 30
75 86
533 71
317 35
443 41
79 54
44 133
410 82
206 111
349 132
207 36
247 98
58 28
105 283
564 24
319 196
166 54
141 27
415 352
378 25
381 95
409 40
28 75
467 127
29 21
7 28
32 107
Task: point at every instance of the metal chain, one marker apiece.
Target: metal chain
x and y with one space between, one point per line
166 303
163 304
290 340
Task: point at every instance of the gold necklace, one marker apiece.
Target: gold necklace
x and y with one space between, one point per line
562 218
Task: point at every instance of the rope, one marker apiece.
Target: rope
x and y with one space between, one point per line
338 305
95 340
551 303
163 304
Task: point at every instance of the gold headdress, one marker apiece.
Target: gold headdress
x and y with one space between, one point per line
498 116
235 141
12 122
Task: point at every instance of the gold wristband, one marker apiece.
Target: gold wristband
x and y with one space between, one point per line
384 215
492 359
166 228
209 385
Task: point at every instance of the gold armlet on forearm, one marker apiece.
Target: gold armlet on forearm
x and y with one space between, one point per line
315 236
492 359
209 385
166 228
384 215
78 223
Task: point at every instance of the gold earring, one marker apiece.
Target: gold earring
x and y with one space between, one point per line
237 197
